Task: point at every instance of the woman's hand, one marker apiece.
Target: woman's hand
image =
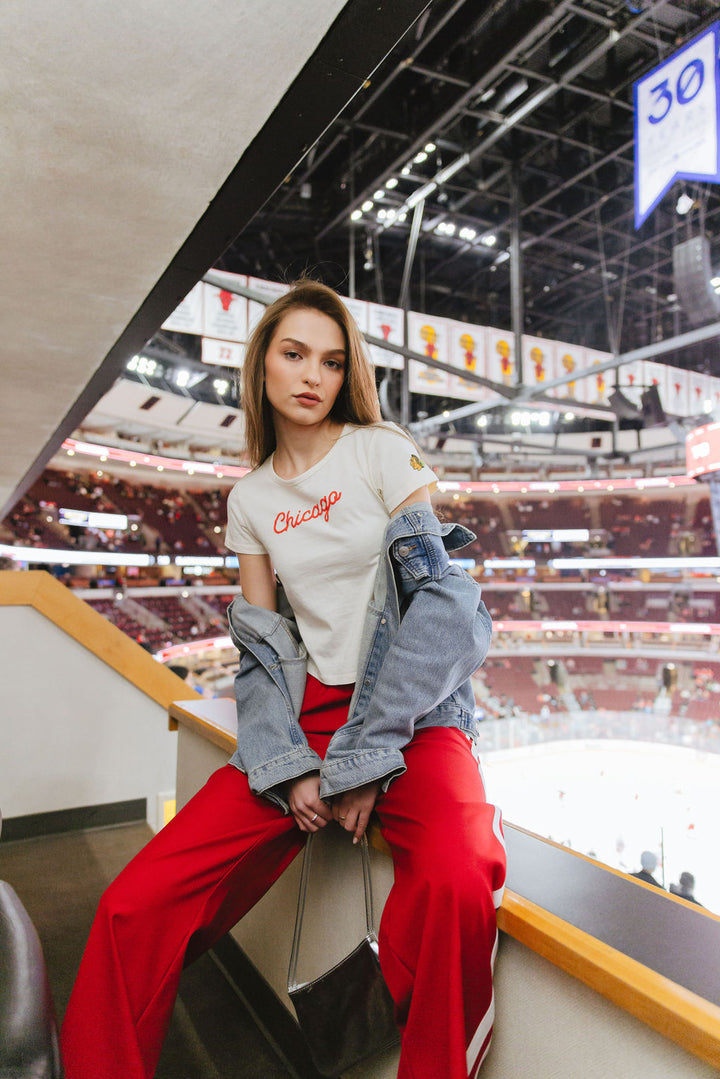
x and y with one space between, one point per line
306 805
352 809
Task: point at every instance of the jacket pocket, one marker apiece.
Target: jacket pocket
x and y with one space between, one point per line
419 558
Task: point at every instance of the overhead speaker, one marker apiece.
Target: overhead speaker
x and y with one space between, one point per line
653 413
624 408
692 272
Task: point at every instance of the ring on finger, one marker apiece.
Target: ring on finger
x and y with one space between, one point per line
313 819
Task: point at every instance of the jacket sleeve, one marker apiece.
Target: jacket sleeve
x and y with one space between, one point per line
271 746
443 637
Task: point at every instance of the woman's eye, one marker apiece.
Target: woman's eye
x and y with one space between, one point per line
292 355
333 365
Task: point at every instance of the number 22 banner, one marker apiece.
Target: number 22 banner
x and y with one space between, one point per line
677 122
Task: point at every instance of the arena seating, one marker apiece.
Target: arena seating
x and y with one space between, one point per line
151 637
548 512
182 625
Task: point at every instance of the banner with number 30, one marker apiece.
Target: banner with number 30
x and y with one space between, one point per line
677 122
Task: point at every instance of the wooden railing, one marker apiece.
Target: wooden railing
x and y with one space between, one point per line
40 590
680 1014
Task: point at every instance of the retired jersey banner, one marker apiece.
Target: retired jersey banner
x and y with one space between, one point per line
677 122
222 353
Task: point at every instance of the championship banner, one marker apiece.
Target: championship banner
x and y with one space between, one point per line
656 374
188 315
568 359
538 361
678 392
358 310
631 381
677 122
224 312
467 353
429 336
501 357
387 323
700 393
597 387
270 289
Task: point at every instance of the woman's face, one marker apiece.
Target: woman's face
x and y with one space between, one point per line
304 367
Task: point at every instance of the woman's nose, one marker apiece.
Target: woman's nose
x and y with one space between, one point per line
312 375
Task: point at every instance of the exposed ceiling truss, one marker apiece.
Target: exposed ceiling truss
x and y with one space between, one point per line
485 173
529 93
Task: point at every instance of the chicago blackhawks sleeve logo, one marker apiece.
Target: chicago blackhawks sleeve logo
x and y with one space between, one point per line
416 463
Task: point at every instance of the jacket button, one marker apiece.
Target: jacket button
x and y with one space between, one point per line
383 621
403 551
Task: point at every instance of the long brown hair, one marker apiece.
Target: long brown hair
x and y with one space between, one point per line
357 401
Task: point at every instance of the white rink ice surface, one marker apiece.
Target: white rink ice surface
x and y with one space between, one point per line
614 799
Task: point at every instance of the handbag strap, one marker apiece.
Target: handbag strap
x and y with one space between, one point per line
302 895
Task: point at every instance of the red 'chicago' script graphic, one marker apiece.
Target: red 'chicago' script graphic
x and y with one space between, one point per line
285 520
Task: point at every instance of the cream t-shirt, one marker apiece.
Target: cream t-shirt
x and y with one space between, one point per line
323 531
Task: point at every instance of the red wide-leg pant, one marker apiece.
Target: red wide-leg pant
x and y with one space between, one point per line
207 867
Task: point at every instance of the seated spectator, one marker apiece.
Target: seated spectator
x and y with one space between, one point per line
648 861
685 888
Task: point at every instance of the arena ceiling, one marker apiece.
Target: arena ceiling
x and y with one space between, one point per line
138 140
486 173
527 105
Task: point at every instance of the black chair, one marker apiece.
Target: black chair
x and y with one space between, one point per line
29 1047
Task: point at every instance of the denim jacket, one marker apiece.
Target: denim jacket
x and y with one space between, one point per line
425 632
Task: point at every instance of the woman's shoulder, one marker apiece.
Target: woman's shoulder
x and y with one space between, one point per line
377 433
247 483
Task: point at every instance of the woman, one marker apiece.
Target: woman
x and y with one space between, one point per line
366 709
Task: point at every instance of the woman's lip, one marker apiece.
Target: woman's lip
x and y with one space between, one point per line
307 397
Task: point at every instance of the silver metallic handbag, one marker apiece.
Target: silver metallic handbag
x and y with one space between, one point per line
346 1014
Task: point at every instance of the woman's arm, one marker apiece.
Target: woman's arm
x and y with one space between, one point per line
352 808
257 580
421 495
